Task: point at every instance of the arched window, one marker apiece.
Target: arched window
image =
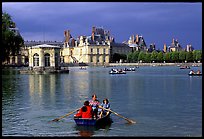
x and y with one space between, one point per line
47 60
35 60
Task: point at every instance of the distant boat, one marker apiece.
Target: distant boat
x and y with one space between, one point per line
194 65
117 71
129 69
195 74
184 67
82 68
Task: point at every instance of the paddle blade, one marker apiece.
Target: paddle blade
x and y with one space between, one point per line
131 121
55 120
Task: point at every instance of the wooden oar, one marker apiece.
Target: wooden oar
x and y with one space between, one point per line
130 121
57 119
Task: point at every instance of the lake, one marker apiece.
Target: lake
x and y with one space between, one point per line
163 100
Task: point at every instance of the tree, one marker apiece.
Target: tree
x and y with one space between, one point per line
117 57
197 55
182 56
148 57
167 57
160 57
130 57
174 56
141 56
154 56
11 42
189 56
135 56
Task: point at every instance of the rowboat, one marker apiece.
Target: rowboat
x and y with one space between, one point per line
184 67
93 121
129 69
116 71
195 74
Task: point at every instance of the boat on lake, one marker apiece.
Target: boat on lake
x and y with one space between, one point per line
184 67
93 121
117 71
195 74
129 69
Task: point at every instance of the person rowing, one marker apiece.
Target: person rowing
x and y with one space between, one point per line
94 102
105 104
85 112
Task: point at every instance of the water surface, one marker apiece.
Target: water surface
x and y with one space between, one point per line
164 101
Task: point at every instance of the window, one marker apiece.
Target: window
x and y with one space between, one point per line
104 59
91 50
47 60
35 60
97 50
91 59
104 51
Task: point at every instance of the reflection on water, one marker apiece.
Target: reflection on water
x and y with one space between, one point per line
164 101
88 131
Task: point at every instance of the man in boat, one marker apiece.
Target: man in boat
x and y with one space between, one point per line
105 104
94 102
191 72
85 112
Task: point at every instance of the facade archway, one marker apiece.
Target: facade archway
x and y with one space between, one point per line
47 60
35 60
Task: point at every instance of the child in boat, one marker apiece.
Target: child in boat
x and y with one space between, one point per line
105 105
85 112
94 104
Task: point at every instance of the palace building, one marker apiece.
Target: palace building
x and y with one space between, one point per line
95 49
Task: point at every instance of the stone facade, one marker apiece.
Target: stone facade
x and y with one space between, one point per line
44 56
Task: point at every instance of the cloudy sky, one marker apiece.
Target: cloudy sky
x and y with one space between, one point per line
158 22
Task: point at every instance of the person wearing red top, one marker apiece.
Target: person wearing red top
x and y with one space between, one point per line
85 112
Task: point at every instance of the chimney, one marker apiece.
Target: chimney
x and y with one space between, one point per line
93 33
67 35
137 38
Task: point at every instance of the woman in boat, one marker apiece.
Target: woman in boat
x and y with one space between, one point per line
94 102
105 105
85 112
198 72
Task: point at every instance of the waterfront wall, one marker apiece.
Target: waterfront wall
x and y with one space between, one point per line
154 64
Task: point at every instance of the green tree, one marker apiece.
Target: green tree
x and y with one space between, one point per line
189 56
135 56
166 57
141 56
197 55
154 56
182 56
130 57
11 42
160 57
148 57
174 56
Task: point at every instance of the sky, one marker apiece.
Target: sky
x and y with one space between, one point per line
157 22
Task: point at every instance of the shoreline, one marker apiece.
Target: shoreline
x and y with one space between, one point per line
122 64
155 64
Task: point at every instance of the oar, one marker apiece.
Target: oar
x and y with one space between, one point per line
57 119
130 121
